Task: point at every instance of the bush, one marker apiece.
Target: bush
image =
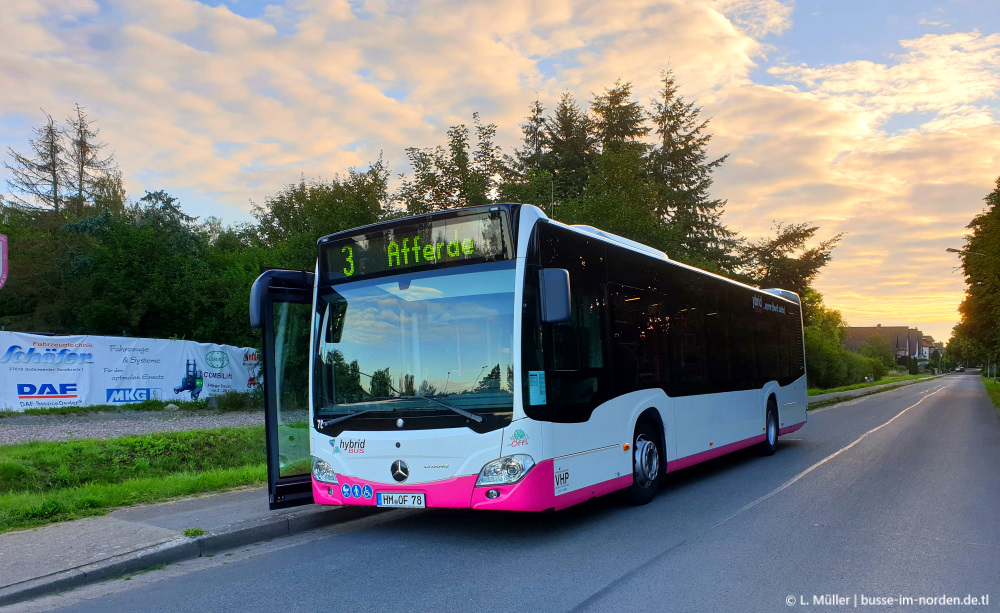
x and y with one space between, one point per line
242 401
829 364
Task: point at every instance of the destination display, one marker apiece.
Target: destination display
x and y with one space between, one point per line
437 243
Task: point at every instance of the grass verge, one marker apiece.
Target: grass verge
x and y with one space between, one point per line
43 482
993 389
825 403
857 386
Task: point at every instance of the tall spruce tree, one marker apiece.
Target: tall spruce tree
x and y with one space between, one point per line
85 164
619 121
530 156
37 179
571 148
679 165
526 175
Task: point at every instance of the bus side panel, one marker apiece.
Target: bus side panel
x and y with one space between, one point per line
592 453
793 402
705 422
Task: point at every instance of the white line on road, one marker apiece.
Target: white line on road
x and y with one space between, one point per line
791 481
660 556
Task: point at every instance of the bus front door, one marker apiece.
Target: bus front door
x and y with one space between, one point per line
281 306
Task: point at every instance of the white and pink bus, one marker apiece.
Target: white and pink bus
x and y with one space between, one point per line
492 358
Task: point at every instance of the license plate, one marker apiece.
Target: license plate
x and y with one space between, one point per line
406 501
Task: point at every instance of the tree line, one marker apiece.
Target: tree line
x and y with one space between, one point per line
87 259
976 338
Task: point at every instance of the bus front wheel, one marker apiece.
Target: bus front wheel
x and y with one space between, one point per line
646 458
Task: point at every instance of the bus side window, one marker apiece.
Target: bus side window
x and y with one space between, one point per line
688 355
743 338
638 330
572 353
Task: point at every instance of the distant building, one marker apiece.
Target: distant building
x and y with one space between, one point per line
905 342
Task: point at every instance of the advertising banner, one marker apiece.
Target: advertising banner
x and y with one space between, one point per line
50 371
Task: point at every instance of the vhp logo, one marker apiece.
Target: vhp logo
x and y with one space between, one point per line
138 394
27 391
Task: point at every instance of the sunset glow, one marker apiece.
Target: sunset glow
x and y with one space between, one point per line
878 120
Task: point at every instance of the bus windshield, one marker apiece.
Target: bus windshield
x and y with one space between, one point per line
434 343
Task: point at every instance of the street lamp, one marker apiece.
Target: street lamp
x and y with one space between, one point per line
953 250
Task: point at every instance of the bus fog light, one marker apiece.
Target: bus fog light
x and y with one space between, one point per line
505 470
323 472
492 494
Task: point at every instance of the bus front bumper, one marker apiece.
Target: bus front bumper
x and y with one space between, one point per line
534 492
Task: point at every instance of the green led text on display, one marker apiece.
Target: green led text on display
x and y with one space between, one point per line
401 254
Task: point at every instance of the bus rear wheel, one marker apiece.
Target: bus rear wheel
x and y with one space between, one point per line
645 464
770 444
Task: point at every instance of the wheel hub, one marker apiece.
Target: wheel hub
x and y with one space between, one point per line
647 461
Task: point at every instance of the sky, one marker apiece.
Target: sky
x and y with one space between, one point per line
879 120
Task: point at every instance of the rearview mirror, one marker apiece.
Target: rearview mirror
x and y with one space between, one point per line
554 288
334 315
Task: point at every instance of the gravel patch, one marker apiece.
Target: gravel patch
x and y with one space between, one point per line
26 428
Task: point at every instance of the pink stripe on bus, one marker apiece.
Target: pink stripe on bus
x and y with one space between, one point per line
451 493
791 428
704 456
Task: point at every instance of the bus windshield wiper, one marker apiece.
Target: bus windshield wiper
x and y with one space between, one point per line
322 423
462 412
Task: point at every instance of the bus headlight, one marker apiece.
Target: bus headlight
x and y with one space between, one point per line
322 471
506 470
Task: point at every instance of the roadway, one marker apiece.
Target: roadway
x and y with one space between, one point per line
894 494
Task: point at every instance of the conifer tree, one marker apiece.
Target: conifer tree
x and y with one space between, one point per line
679 165
37 179
619 121
571 148
85 165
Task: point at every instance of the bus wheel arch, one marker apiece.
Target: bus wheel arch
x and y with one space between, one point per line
771 426
648 457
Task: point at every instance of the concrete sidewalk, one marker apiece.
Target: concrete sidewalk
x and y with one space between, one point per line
71 554
866 390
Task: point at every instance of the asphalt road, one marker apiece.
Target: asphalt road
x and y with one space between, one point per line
896 494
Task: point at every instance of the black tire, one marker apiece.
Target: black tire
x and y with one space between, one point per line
647 464
771 428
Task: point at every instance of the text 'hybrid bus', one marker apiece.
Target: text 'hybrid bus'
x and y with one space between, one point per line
492 358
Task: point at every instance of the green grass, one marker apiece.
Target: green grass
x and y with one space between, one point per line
194 532
229 402
856 386
46 482
993 389
819 404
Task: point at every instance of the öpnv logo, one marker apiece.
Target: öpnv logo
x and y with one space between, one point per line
217 359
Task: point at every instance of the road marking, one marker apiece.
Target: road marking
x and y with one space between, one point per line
636 571
794 479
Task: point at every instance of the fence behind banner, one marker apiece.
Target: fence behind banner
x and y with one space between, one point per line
52 371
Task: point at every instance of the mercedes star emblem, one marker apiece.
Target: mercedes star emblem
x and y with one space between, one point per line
399 471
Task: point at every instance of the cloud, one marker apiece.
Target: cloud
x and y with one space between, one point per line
815 149
937 73
226 109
